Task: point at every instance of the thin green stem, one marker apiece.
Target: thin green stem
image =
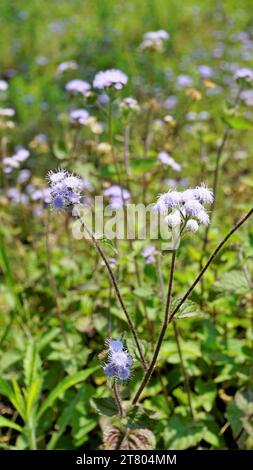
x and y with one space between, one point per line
117 292
118 399
151 367
149 372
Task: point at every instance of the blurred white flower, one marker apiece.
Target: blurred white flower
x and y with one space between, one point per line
110 78
154 40
3 85
64 66
79 116
78 86
8 112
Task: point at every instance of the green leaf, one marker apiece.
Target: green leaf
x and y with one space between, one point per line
239 122
63 421
33 395
187 310
182 433
105 406
207 392
7 423
18 399
232 281
66 383
32 364
139 417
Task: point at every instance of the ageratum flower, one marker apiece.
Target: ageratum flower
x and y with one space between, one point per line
65 189
78 86
119 360
185 208
110 79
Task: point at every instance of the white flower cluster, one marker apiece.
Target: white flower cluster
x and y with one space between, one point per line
110 78
186 208
154 40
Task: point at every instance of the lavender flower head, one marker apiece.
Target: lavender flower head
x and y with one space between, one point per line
148 253
167 160
78 86
79 116
65 189
185 208
110 79
118 196
245 74
119 360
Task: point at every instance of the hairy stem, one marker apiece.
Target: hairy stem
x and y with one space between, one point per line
151 367
184 371
118 399
177 338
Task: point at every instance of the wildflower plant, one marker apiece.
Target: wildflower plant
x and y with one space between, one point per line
151 146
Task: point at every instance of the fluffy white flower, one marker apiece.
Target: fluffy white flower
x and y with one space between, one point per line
192 208
110 78
79 116
73 182
203 217
78 86
192 225
172 198
173 219
187 195
56 176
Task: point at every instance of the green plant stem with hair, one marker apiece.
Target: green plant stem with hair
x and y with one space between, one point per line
118 400
168 318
